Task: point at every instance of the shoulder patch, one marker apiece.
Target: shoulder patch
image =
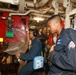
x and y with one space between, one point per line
59 42
71 45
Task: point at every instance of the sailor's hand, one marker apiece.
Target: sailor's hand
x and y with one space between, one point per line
17 55
52 48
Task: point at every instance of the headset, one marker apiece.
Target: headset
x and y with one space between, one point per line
35 32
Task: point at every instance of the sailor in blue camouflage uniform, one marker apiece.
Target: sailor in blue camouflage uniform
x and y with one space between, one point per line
60 64
35 50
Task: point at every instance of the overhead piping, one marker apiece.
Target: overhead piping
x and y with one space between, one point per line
28 3
8 10
15 2
72 12
24 13
27 12
41 3
41 15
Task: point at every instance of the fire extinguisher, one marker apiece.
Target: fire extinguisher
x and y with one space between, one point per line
9 31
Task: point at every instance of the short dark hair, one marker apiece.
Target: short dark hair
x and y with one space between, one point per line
56 16
31 29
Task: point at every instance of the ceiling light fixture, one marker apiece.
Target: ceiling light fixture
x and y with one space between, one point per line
38 19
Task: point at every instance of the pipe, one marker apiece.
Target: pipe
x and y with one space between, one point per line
15 2
31 4
8 10
24 13
40 15
33 11
28 3
22 6
52 11
35 1
72 12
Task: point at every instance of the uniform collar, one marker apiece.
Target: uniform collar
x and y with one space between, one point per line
62 31
34 39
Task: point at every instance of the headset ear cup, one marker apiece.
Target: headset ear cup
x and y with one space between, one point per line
35 33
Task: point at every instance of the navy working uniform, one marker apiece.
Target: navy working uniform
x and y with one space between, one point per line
34 51
60 58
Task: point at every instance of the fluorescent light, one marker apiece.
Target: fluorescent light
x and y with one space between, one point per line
38 19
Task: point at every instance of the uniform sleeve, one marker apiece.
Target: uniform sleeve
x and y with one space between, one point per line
35 48
62 61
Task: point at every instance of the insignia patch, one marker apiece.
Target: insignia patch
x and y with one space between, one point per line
71 45
59 42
